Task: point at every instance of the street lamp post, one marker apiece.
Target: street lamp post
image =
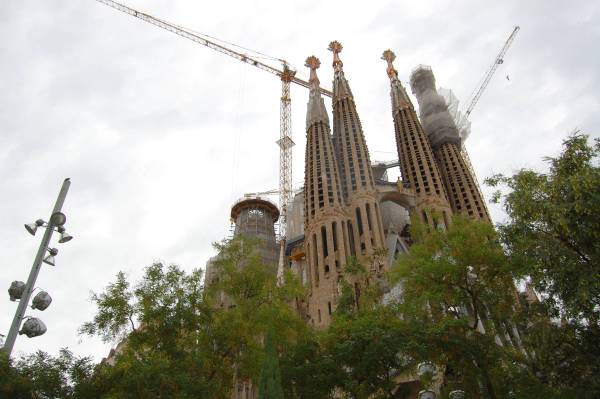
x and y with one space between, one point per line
57 219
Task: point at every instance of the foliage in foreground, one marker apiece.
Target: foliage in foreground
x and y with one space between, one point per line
552 237
40 375
458 309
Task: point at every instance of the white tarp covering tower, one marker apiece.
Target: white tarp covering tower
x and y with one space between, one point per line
462 123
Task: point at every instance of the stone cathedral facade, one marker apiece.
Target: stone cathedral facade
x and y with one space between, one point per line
348 208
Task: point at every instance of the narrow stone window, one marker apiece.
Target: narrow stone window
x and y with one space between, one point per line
334 234
359 221
351 239
315 258
324 242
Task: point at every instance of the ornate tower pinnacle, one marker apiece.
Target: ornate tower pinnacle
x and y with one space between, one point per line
399 97
389 56
316 106
336 47
313 63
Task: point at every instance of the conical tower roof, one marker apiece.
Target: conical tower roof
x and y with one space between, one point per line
352 155
398 93
321 178
316 111
349 140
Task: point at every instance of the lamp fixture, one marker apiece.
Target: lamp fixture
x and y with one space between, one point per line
49 260
32 227
64 236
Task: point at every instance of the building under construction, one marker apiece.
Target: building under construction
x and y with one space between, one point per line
347 206
348 209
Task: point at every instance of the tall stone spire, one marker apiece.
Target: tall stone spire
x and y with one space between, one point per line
316 106
460 184
352 155
325 238
417 163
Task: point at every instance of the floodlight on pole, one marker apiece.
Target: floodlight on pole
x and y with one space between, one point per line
427 394
50 260
32 227
16 290
64 236
41 301
34 327
457 394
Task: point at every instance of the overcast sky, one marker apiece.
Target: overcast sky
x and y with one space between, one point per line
160 135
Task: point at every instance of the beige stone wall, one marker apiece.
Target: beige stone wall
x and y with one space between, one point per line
418 167
461 186
326 248
364 227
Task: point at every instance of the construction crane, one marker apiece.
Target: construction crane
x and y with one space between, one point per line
286 74
499 60
488 76
461 118
261 193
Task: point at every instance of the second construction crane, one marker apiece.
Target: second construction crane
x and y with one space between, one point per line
462 121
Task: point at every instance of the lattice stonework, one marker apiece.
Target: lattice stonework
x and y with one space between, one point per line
326 241
352 157
459 181
417 162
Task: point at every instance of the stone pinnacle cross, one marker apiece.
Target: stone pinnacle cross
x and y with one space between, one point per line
313 63
389 56
336 48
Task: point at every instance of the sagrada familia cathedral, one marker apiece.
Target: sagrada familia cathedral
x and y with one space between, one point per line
347 208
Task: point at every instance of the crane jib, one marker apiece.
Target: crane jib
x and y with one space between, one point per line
286 75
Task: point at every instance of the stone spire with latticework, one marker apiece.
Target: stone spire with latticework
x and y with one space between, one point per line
417 162
365 228
325 240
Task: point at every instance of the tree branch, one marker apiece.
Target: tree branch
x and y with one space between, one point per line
132 324
566 242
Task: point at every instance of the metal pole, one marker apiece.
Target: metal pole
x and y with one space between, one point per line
35 270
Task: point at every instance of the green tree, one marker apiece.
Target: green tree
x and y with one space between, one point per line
270 375
553 227
40 375
370 349
552 237
457 288
307 369
179 341
13 384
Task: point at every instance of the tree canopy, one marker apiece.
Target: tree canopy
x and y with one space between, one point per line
454 303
